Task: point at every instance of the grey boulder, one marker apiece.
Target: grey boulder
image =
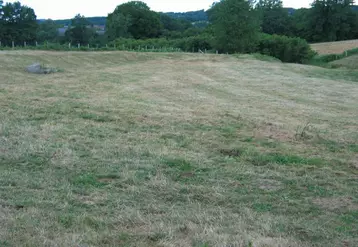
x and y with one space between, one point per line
37 68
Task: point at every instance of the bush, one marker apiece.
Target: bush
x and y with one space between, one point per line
194 43
289 50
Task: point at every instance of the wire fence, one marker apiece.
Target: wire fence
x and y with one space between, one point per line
94 47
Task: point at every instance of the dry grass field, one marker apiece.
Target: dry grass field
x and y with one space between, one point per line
142 149
337 47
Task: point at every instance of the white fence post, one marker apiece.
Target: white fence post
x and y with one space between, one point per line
13 45
79 45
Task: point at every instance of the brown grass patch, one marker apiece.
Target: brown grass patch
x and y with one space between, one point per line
335 203
337 47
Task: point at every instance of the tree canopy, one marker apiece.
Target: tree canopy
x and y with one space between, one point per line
47 31
274 18
235 25
80 30
329 20
18 23
133 19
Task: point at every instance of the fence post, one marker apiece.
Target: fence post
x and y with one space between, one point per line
88 46
123 48
217 52
36 44
69 45
13 45
106 45
25 44
79 45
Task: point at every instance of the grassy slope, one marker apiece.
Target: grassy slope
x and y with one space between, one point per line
348 62
126 149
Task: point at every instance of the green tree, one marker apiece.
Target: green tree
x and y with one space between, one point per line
80 30
18 24
235 25
47 31
301 20
171 24
133 19
118 26
329 20
274 18
1 20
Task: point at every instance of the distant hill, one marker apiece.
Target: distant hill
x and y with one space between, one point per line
192 16
199 16
100 20
97 21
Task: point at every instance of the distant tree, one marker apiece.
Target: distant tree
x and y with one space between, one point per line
235 25
118 26
134 19
301 23
191 16
329 20
47 31
18 23
80 30
172 24
1 20
274 18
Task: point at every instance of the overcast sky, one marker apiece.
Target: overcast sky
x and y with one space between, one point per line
63 9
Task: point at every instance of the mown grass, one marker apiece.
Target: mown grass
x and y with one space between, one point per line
126 149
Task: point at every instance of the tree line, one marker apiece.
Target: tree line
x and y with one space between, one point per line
230 26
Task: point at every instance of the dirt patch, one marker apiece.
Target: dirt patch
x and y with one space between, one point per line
278 242
269 184
231 152
336 203
355 162
93 199
273 131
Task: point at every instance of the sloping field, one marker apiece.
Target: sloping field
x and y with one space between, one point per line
140 149
337 47
350 62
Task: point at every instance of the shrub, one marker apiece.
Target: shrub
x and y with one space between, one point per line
194 43
290 50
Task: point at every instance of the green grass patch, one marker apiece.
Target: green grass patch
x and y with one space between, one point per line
96 118
281 159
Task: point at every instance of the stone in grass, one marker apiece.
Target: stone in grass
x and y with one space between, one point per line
37 68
